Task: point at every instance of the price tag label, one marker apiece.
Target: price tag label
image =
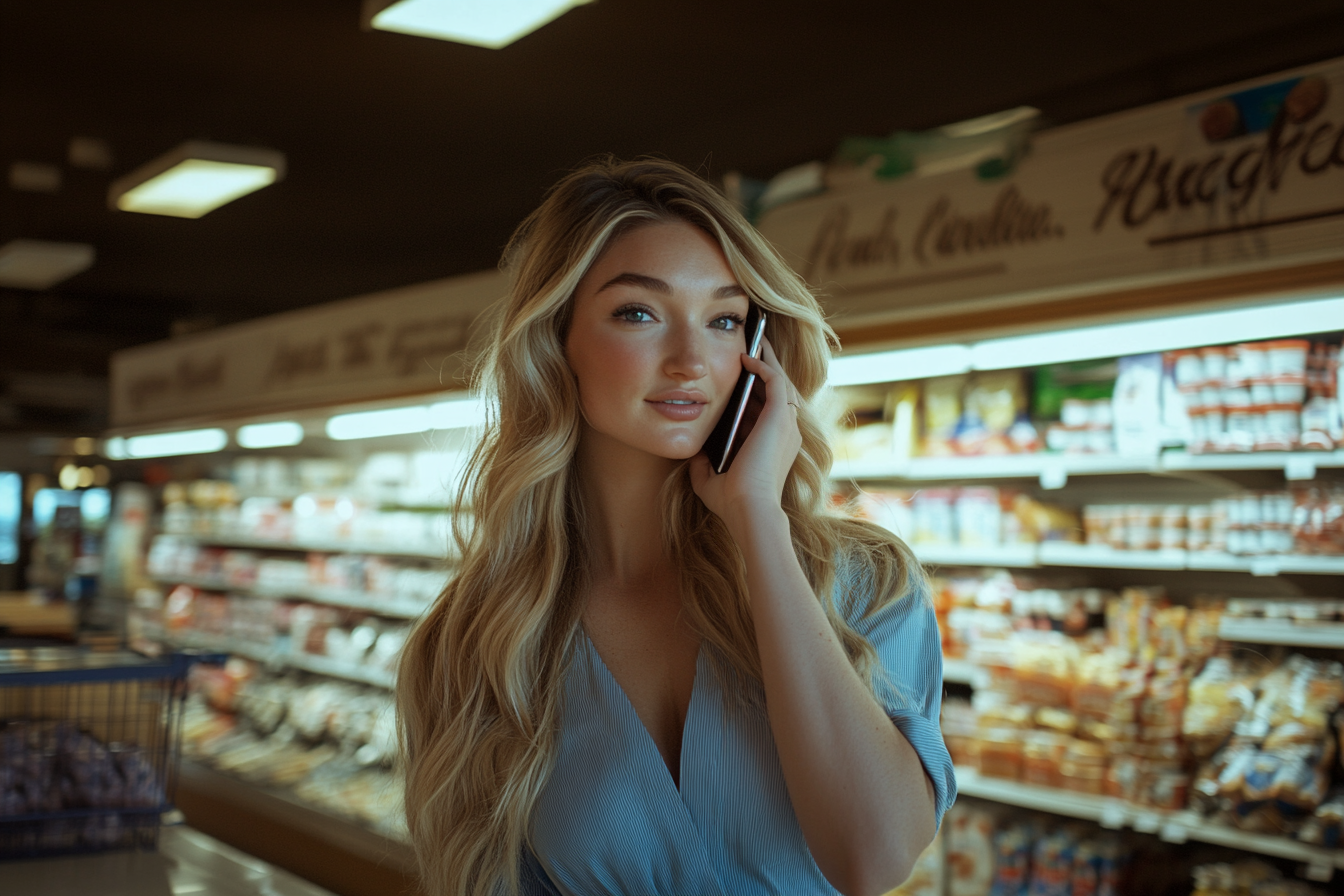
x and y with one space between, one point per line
1265 566
1112 816
1174 832
1298 467
1053 474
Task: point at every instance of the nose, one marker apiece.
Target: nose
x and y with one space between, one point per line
685 356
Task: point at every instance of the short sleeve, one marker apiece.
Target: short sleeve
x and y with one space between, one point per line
910 684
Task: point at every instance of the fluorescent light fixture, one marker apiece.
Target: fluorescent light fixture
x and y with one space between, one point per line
115 448
1089 343
482 23
374 424
169 444
903 364
40 264
1161 334
459 413
195 178
278 434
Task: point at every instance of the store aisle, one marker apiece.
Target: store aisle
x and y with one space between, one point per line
188 863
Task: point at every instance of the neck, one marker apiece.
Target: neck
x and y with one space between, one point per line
620 488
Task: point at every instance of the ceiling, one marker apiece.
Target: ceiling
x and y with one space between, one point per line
411 159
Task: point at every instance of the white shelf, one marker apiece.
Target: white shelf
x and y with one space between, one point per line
1062 553
1255 460
1031 466
306 661
1174 827
336 597
1282 631
960 671
321 547
1016 555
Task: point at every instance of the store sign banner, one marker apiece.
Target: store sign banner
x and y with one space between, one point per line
1247 177
402 342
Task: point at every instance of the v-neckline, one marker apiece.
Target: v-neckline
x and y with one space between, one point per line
678 784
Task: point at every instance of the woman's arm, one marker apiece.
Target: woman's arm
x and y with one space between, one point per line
862 797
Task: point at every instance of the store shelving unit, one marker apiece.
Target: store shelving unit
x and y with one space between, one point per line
308 662
1282 631
1172 826
1057 553
336 597
386 549
1294 464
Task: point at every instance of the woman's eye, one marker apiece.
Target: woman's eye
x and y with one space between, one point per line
728 322
633 314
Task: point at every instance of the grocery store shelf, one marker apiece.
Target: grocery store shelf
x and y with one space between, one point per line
321 547
1282 631
308 662
1016 555
279 806
336 597
1287 461
1174 827
1294 464
960 671
1062 553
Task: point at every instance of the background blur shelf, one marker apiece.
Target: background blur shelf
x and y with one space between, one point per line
1294 464
1282 631
1174 827
384 549
308 662
1015 555
1060 553
336 597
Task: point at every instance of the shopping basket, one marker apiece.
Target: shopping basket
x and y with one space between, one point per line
89 745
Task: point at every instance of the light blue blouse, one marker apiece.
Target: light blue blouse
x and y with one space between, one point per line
611 821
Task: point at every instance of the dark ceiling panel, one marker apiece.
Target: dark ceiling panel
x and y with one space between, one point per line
411 159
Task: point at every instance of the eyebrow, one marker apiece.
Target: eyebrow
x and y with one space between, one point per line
653 284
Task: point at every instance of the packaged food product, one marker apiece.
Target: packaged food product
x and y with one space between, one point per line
1137 404
971 851
942 412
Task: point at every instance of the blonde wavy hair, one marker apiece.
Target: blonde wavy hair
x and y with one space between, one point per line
481 678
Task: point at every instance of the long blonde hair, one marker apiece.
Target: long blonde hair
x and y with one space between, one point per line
481 677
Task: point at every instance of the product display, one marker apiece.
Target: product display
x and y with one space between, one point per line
1280 395
328 743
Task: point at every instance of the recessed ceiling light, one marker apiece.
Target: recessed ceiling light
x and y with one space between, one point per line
169 444
278 434
493 24
39 264
195 178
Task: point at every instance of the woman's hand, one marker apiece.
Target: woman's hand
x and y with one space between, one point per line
754 483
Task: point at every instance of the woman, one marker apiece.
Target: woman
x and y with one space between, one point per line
647 677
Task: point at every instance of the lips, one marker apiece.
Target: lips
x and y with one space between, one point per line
678 404
677 409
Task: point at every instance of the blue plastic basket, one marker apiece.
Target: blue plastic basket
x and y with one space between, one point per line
89 746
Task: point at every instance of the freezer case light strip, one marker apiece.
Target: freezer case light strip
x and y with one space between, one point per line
1090 343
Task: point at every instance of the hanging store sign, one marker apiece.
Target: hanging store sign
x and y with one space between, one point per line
1248 177
402 342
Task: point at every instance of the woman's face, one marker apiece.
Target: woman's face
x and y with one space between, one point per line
656 339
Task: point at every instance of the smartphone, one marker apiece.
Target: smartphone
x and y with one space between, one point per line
730 432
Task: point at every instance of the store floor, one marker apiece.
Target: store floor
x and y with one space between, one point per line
188 863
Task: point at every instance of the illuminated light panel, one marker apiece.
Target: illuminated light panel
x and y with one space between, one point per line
196 178
1090 343
457 414
492 24
902 364
1160 335
115 448
375 424
279 434
170 444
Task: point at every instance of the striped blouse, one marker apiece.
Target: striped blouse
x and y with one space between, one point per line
611 821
